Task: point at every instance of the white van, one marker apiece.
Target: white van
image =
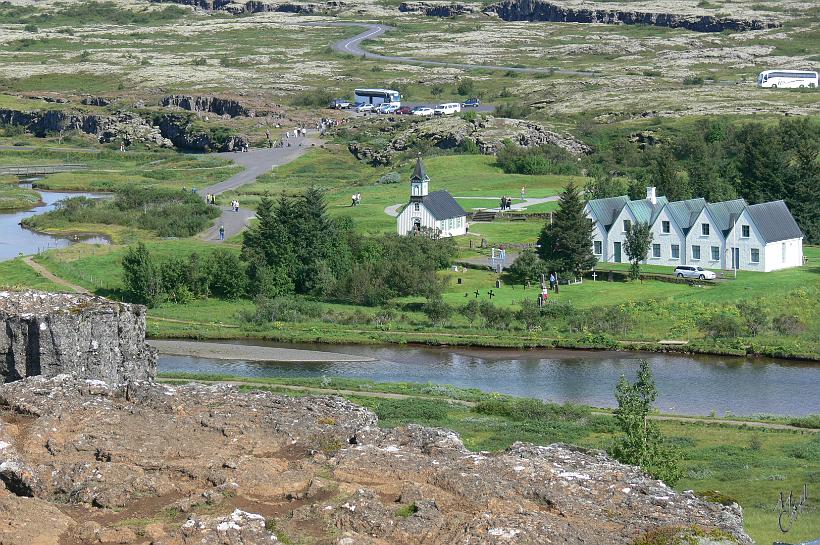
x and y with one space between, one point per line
447 109
787 79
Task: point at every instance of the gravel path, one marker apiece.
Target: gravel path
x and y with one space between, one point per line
224 351
256 162
352 46
47 274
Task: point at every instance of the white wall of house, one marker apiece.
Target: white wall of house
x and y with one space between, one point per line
664 242
770 257
617 235
599 235
706 242
417 211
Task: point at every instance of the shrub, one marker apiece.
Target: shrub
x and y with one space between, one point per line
466 87
693 80
398 411
522 409
723 325
284 309
390 178
437 311
546 159
495 317
317 98
715 496
788 325
512 110
754 315
468 145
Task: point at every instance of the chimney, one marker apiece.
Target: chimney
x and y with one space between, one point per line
650 195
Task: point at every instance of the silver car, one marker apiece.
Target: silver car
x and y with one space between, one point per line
694 272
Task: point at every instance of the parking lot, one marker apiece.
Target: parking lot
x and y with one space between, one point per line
485 108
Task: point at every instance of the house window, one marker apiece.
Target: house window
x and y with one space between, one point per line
755 255
596 247
665 227
783 252
695 252
416 207
744 231
450 223
675 251
656 250
715 253
704 229
627 223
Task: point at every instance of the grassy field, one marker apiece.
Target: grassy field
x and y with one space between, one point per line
749 465
15 274
13 197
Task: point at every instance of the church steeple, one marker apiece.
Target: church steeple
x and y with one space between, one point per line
419 182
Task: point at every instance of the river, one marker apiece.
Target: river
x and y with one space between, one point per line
687 384
17 240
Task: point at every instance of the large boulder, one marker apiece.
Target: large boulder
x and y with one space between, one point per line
82 335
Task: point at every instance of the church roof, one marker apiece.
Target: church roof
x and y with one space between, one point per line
442 205
419 173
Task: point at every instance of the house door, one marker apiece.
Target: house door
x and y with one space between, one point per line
617 252
735 258
416 224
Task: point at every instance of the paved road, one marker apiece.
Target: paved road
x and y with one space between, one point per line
353 46
256 162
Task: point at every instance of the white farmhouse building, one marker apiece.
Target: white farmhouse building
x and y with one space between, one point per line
725 235
438 211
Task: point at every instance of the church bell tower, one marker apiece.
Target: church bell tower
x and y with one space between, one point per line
419 182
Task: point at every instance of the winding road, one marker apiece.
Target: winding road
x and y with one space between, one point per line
353 46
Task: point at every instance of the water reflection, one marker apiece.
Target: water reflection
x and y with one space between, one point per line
687 384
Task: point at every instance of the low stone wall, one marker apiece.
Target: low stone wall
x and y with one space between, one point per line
85 336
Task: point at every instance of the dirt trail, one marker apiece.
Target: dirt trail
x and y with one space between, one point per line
47 274
388 395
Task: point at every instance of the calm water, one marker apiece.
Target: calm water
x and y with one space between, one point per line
16 240
687 384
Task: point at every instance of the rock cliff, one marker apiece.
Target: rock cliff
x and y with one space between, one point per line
216 105
85 461
91 337
541 10
437 9
260 6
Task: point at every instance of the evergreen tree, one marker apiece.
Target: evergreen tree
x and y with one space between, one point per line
141 277
268 247
663 174
566 243
641 442
636 246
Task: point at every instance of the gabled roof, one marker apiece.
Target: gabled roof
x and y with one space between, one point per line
685 213
644 211
442 205
606 210
725 213
419 173
774 222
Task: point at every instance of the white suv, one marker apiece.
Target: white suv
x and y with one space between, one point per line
694 272
446 109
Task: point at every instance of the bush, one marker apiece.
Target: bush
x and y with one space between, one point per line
399 411
608 320
512 110
466 87
546 159
522 409
227 278
468 145
319 98
788 325
437 311
693 80
284 309
754 315
527 268
496 317
390 178
723 325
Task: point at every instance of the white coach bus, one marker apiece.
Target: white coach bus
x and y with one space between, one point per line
787 79
377 97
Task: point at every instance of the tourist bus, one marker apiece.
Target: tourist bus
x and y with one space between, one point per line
377 97
788 79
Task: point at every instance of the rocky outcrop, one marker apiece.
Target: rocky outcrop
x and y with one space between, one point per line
487 132
437 9
41 123
540 10
262 6
96 101
180 131
215 105
50 334
318 468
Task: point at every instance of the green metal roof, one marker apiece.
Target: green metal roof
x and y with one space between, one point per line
685 213
644 211
725 213
606 210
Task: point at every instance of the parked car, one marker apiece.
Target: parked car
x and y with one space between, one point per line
340 104
471 103
694 272
405 110
364 108
422 111
387 109
447 109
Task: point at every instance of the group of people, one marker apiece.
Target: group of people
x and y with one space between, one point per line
325 123
210 199
356 199
296 133
506 203
235 206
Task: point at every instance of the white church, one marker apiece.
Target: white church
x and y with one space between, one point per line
437 211
724 235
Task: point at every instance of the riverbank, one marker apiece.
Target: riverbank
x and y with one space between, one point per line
16 198
248 352
721 459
